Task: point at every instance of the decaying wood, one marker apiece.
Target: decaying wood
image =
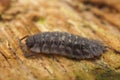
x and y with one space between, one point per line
4 4
87 19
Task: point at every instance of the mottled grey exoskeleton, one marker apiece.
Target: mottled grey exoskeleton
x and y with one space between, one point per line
65 44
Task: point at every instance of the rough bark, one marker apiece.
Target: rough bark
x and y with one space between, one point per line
87 19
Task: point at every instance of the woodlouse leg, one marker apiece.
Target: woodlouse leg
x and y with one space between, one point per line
25 52
24 48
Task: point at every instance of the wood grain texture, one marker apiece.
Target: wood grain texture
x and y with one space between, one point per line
27 17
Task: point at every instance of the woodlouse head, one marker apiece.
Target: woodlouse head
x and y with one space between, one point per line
30 42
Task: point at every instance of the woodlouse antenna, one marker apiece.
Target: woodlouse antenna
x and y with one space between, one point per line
23 37
112 49
20 40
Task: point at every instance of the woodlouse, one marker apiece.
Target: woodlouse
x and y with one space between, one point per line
65 44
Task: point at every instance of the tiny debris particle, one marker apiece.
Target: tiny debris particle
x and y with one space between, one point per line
64 44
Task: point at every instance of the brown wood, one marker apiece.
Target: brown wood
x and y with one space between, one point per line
27 17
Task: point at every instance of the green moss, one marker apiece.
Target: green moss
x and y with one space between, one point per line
106 74
41 21
78 78
83 75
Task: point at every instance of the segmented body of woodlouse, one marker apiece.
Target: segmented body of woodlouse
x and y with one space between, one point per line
65 44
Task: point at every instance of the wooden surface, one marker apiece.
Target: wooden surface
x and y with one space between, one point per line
95 19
